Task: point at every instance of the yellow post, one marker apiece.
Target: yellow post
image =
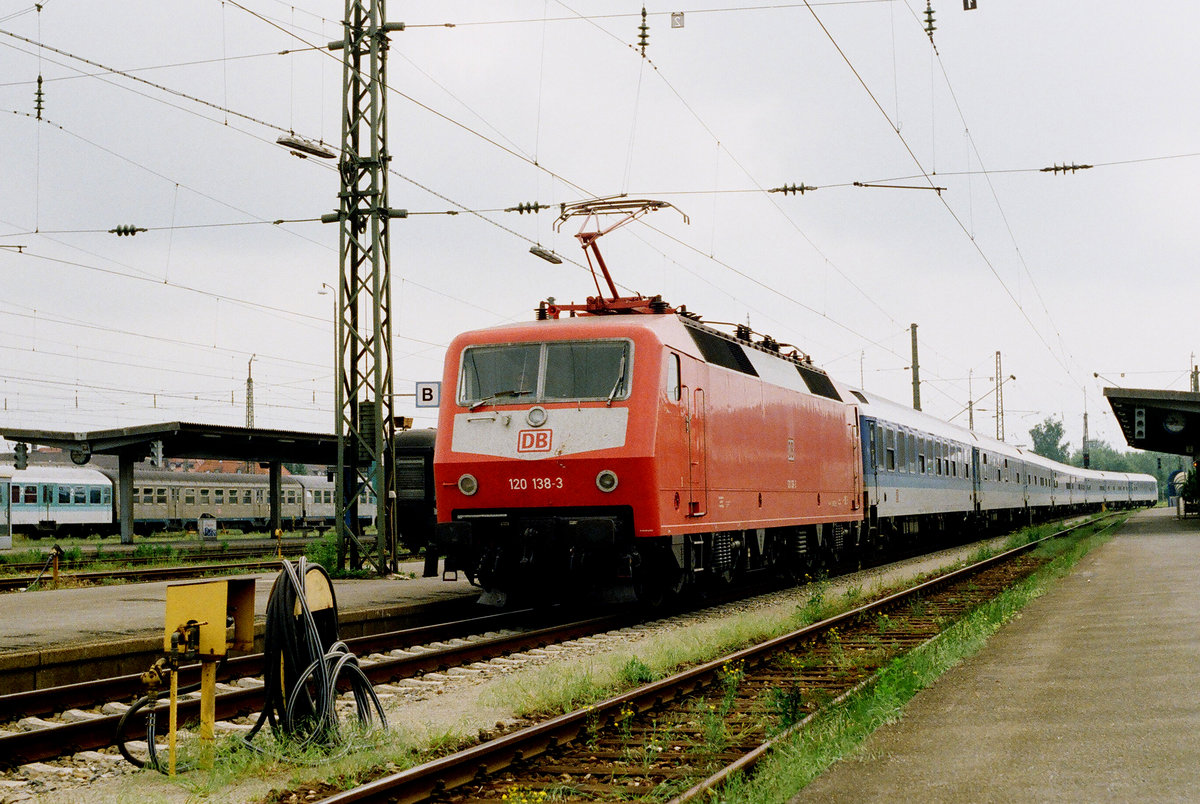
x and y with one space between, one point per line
174 715
208 710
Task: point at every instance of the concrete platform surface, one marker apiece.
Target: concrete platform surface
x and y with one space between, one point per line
1092 694
40 620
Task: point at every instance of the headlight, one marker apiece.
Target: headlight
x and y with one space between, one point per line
468 485
536 416
606 481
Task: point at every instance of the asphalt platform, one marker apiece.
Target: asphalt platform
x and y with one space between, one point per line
41 631
1092 694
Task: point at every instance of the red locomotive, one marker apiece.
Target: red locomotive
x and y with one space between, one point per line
629 448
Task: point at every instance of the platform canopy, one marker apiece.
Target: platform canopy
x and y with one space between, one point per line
1162 421
186 440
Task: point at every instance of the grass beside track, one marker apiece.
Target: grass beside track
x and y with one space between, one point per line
839 731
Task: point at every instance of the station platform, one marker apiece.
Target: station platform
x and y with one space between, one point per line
1091 694
116 626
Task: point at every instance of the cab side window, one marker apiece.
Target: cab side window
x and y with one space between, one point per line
674 390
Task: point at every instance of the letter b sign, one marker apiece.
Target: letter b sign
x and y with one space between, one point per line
429 394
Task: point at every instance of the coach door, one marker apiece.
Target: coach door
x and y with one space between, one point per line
874 461
697 468
976 478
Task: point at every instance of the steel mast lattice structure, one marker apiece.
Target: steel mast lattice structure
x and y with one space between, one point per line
364 397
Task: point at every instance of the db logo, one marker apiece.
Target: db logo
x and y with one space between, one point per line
534 440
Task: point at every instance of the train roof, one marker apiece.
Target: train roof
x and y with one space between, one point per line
783 365
227 478
49 473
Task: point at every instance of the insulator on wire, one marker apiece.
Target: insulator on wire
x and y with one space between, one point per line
1065 168
929 26
792 189
643 33
126 229
38 97
530 207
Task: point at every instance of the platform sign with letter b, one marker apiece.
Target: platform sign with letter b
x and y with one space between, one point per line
429 394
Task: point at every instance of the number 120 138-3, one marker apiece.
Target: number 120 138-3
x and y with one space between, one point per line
536 483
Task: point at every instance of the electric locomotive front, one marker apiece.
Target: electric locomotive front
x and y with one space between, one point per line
546 461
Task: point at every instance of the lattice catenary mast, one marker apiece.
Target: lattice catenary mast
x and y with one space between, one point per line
363 398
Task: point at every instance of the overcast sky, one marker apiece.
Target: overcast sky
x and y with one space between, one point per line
1065 274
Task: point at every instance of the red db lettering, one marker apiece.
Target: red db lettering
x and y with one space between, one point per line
534 440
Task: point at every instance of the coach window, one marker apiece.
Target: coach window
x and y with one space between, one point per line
901 452
189 496
160 496
245 496
78 495
258 496
674 391
94 495
218 496
233 496
64 495
912 453
889 449
921 455
204 496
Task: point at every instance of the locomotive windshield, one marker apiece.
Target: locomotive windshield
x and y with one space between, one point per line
558 371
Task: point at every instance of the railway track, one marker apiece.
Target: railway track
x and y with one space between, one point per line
101 558
383 657
136 574
681 737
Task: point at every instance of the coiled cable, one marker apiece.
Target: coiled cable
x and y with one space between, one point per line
305 662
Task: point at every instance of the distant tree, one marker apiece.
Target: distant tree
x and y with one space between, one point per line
1048 440
1103 458
297 468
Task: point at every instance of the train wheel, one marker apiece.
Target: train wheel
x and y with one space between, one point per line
657 579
